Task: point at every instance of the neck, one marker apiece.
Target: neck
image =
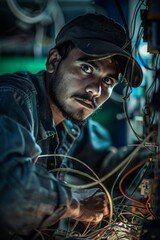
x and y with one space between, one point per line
56 113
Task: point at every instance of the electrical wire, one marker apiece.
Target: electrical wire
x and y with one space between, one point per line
52 10
128 160
141 204
99 233
84 186
96 180
125 176
134 18
105 177
135 50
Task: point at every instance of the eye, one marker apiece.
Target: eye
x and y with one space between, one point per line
86 68
108 81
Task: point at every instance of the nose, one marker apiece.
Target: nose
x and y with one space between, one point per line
94 89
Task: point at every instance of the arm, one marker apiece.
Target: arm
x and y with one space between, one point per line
29 194
31 197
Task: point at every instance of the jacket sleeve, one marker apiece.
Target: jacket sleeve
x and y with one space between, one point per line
29 195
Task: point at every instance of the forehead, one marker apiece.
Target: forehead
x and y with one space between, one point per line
77 55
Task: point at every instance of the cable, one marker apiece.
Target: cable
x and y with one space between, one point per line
84 186
52 10
20 13
125 176
96 180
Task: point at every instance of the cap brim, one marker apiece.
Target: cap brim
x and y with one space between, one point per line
132 71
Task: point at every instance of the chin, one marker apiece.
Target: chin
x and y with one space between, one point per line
77 121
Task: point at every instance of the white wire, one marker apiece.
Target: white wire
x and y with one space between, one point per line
52 9
20 14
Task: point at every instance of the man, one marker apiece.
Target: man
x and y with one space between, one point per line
41 116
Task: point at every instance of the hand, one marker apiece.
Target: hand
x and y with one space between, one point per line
92 205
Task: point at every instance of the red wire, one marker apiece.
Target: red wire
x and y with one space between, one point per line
123 178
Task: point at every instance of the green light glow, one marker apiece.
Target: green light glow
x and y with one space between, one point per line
13 64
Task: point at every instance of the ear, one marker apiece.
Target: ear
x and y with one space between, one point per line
52 60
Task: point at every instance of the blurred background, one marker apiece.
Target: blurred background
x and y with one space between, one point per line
28 29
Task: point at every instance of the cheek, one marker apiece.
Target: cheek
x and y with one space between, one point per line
110 90
106 95
74 82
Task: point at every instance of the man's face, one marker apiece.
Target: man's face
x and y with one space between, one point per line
81 84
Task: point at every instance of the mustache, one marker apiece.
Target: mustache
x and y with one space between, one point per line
87 97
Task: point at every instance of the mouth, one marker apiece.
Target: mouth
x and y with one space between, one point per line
85 103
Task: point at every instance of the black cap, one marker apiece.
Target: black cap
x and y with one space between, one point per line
97 35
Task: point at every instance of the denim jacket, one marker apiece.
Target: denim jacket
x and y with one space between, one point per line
31 196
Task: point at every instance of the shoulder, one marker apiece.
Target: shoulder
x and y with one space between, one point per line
21 81
17 79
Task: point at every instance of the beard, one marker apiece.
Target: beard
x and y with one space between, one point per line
55 88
